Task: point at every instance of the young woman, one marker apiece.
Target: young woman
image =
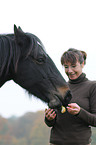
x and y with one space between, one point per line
74 126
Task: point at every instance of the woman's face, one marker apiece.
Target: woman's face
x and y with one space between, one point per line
73 71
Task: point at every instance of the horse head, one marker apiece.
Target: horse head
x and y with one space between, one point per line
34 70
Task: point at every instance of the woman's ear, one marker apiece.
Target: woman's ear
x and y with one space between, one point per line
82 64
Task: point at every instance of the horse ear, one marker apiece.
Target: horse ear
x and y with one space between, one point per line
21 38
19 28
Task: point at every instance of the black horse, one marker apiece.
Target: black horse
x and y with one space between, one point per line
24 60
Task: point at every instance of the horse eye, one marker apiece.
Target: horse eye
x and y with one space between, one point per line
40 60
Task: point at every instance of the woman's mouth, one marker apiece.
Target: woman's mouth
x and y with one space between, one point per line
71 75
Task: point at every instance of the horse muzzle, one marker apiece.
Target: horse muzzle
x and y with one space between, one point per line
59 101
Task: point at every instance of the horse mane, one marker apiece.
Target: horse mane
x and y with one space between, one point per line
10 53
5 54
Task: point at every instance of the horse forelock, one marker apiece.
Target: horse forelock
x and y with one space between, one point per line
36 46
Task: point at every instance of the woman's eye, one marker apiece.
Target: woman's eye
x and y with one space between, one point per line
73 66
66 66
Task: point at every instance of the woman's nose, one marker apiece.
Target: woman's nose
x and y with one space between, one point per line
70 69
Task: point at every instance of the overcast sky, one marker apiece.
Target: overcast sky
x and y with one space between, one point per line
60 24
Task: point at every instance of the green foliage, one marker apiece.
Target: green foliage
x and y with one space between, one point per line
29 129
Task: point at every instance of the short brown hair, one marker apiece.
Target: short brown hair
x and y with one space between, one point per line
73 55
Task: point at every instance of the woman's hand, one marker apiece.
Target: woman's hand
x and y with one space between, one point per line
50 114
73 108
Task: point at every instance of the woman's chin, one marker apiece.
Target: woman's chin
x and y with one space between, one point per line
72 77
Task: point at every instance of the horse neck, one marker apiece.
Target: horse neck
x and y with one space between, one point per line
6 55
